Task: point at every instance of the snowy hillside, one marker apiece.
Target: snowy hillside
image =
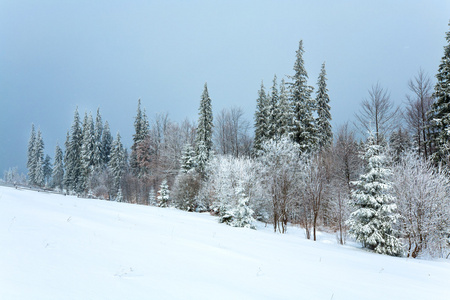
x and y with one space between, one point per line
61 247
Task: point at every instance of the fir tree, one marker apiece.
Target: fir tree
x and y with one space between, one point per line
117 164
107 141
47 169
142 131
325 135
86 152
73 162
439 113
261 126
164 195
31 162
304 131
38 163
284 112
272 111
372 223
98 157
58 169
204 126
187 159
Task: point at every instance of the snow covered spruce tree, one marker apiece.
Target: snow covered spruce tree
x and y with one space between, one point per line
72 159
261 126
38 164
373 221
272 111
164 194
47 169
187 160
87 150
304 127
98 160
31 161
117 165
107 141
439 113
284 117
58 169
139 154
203 139
242 214
325 135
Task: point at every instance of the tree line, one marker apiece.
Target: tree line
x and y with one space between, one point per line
389 191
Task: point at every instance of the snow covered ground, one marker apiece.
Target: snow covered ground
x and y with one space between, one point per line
62 247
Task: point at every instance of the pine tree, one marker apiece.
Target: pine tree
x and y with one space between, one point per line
73 160
107 141
204 125
261 126
87 151
58 169
47 169
304 130
272 111
164 194
325 135
38 163
284 112
117 164
439 113
31 162
372 223
187 159
138 150
98 158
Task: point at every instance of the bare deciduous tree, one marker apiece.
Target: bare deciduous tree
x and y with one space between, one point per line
416 111
231 133
378 113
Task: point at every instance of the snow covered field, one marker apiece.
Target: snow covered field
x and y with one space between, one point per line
62 247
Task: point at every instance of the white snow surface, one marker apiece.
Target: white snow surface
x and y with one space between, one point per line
63 247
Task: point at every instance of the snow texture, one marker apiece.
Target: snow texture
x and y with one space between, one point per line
63 247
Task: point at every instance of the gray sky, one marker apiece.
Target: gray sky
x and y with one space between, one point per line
56 55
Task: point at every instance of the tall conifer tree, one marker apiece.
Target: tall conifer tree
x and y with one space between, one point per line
107 141
98 159
58 169
304 129
373 221
31 162
439 113
204 131
325 135
284 112
272 111
261 126
73 162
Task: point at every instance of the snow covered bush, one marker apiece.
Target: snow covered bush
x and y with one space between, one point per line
230 178
423 194
373 221
185 190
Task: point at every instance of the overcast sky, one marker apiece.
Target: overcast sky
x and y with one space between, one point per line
57 55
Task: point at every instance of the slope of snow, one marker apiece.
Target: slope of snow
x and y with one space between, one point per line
63 247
